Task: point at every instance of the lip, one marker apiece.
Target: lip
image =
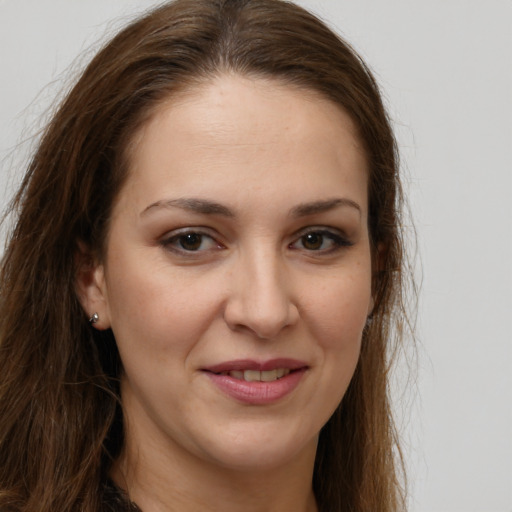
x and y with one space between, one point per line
256 392
250 364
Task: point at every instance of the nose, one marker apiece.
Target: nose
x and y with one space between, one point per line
260 299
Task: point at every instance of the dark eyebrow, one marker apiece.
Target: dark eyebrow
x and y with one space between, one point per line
305 209
203 206
207 207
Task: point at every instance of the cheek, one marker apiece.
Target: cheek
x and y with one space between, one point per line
339 310
157 323
156 310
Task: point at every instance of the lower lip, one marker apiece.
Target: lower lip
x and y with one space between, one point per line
257 393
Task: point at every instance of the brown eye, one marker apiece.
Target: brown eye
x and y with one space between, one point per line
191 241
312 241
322 241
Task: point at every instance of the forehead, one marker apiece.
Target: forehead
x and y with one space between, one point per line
247 134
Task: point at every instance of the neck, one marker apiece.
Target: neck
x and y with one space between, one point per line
173 480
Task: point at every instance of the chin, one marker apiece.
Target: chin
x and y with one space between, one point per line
252 450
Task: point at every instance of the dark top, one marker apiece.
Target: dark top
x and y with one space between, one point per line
116 500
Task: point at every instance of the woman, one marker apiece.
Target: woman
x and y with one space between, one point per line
198 295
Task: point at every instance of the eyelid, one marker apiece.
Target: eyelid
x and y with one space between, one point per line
170 237
321 228
336 235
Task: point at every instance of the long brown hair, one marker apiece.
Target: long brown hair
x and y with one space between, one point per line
60 420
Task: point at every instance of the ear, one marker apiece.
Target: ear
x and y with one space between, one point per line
90 286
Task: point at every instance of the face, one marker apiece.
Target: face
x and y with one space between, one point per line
237 277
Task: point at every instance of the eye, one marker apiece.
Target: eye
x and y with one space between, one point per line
190 241
320 240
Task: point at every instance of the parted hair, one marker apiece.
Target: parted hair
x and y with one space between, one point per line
61 423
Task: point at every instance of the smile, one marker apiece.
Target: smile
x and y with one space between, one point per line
258 376
257 383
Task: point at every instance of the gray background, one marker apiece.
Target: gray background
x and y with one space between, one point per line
445 68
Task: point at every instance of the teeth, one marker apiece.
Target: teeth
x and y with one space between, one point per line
257 376
269 376
252 375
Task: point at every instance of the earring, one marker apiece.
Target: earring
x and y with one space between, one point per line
94 318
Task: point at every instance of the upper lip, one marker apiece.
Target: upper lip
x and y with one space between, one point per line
251 364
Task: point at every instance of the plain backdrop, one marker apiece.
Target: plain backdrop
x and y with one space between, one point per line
445 67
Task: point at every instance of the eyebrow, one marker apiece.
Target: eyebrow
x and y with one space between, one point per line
305 209
207 207
191 204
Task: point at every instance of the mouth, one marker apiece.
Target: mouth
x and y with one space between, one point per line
257 375
255 382
252 371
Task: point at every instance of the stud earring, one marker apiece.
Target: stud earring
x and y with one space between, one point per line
94 318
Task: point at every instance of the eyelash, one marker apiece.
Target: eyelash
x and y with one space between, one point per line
337 240
175 242
177 238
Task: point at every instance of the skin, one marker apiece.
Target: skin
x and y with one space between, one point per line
254 286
